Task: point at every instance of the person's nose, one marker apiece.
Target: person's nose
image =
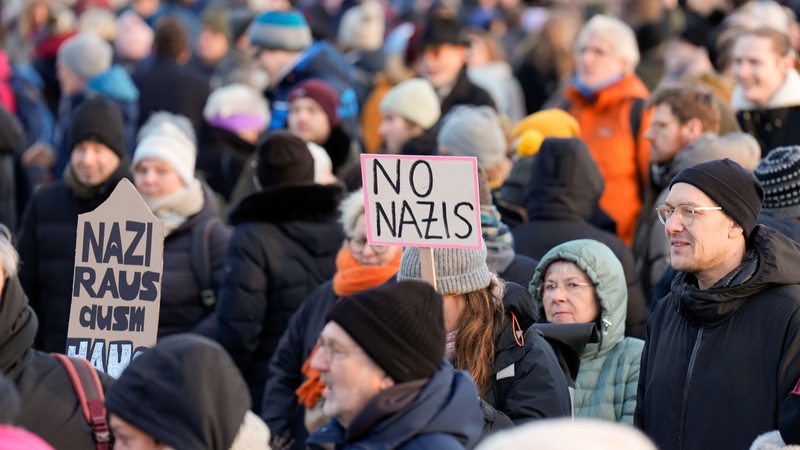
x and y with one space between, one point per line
674 224
320 360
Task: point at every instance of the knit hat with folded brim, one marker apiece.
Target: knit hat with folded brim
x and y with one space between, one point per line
458 270
280 30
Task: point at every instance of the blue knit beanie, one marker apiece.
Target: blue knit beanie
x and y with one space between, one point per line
280 30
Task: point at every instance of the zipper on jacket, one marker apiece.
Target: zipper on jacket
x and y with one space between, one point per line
689 370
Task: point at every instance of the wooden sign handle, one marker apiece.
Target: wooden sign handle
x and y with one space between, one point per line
427 265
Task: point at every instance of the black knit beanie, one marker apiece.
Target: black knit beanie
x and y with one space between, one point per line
400 326
733 187
98 119
284 159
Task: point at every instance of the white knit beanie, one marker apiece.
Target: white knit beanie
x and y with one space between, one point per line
237 107
166 142
415 100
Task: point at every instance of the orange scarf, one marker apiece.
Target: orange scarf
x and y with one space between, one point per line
350 277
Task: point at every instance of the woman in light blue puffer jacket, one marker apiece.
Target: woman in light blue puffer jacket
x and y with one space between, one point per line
582 281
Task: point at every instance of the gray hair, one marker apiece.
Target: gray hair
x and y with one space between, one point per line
352 207
615 31
9 258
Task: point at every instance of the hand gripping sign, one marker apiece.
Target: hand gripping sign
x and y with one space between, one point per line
422 201
116 288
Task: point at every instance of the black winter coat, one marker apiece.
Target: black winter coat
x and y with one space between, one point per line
280 409
46 245
167 86
529 383
50 406
221 156
718 362
182 309
283 246
560 204
772 128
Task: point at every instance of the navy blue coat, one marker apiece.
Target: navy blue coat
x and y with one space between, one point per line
445 415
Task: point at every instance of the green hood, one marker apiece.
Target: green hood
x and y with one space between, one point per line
605 271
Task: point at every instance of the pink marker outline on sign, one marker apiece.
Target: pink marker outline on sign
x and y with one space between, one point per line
365 158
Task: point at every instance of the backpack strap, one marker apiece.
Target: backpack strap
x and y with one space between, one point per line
90 395
201 261
636 124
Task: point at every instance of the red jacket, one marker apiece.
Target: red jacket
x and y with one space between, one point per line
606 129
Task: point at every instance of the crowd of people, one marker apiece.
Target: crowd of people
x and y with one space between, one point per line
637 284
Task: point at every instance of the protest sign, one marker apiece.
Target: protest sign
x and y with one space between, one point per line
116 289
422 201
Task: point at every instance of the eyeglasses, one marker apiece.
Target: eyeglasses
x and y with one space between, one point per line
335 353
570 287
358 244
686 213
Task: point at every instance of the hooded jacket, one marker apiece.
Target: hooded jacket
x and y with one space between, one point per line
609 372
50 406
186 393
621 157
529 383
283 246
444 415
560 198
718 362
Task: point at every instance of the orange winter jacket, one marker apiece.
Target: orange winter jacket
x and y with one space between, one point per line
606 129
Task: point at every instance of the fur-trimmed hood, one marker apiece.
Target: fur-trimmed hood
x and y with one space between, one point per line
310 202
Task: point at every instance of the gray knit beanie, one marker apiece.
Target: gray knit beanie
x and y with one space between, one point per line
458 270
86 55
474 131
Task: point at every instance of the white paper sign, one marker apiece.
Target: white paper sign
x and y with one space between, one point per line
422 201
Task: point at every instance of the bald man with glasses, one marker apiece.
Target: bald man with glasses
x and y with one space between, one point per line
722 350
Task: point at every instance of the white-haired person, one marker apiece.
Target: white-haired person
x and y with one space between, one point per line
235 116
570 434
607 99
195 238
359 266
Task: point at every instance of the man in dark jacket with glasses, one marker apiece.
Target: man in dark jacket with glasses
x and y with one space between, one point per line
723 349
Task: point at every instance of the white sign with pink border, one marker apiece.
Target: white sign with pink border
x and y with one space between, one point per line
422 201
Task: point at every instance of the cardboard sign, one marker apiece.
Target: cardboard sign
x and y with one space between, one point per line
116 288
422 201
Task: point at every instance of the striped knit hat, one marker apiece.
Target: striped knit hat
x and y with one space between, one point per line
280 30
779 173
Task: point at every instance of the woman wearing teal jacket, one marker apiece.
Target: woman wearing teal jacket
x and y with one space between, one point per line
582 281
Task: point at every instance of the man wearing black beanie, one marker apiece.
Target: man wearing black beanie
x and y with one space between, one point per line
381 358
722 350
96 141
